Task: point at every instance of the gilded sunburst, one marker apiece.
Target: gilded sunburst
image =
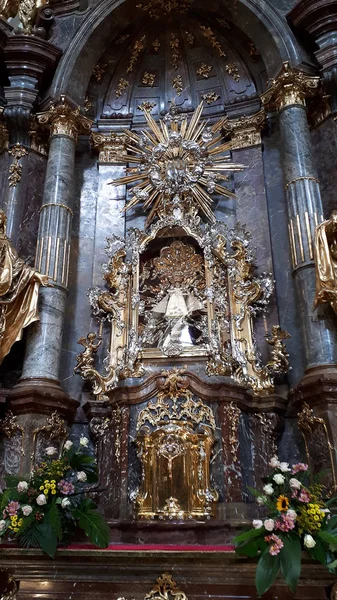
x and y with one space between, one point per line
178 163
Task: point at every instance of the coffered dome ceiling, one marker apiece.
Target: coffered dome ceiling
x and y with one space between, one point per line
172 53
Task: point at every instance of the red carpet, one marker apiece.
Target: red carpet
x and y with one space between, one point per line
155 547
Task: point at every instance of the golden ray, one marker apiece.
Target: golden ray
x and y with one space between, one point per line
176 165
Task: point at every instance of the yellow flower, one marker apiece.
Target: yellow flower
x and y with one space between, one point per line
53 486
45 492
16 529
53 481
53 492
20 522
282 503
46 481
47 486
316 517
41 487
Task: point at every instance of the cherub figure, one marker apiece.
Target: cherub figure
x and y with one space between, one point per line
279 354
86 358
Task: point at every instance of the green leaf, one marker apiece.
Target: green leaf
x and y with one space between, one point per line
86 463
55 521
29 536
318 552
251 549
266 571
290 560
246 536
328 538
95 528
47 537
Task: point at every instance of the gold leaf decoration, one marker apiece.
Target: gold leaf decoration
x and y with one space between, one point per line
232 70
210 36
138 47
148 79
99 71
121 87
163 8
174 43
146 105
210 97
204 70
177 85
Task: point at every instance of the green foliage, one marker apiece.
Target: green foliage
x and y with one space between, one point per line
55 521
84 462
266 572
318 552
290 560
93 524
328 538
247 536
39 535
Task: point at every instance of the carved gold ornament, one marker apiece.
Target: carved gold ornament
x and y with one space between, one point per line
178 161
187 299
99 71
326 261
64 119
19 289
174 44
210 36
138 47
175 440
177 84
166 589
290 87
121 87
245 131
232 70
148 79
15 169
8 9
190 39
146 105
109 145
210 97
157 9
204 70
27 14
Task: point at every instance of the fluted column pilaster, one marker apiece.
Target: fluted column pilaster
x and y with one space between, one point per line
287 94
42 359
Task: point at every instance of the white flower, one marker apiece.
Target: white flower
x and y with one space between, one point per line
3 525
68 445
81 476
284 467
294 483
325 510
309 541
274 462
292 514
27 510
84 441
261 500
257 524
65 502
269 524
41 500
22 486
50 451
278 478
268 489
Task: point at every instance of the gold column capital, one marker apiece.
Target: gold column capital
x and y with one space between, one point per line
64 119
291 86
109 145
246 130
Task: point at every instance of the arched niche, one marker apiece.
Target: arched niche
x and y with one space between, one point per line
265 26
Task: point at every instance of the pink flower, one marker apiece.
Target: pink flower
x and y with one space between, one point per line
304 496
277 546
285 523
299 467
12 508
65 487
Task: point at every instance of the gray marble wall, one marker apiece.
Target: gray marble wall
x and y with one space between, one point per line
324 144
278 222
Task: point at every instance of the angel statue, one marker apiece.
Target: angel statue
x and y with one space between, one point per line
19 289
28 10
8 9
326 261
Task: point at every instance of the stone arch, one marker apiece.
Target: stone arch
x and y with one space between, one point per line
259 20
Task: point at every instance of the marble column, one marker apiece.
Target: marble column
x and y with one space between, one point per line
42 359
287 95
26 59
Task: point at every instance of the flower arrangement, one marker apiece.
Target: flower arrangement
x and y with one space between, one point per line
298 519
45 508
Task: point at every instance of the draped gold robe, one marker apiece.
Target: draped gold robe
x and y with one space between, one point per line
326 263
18 296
